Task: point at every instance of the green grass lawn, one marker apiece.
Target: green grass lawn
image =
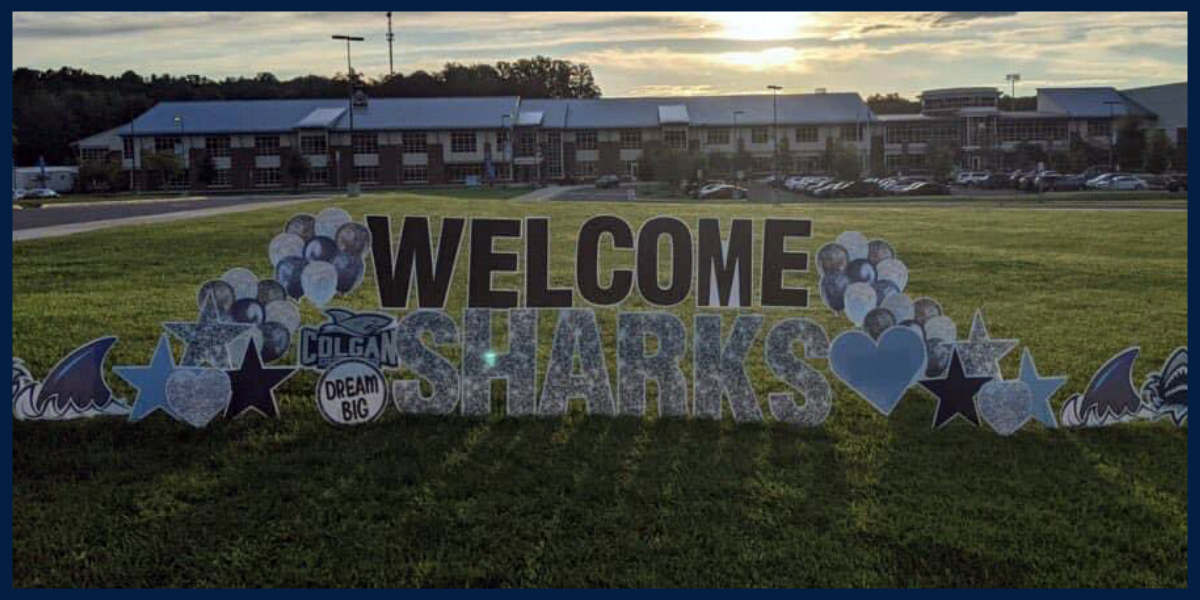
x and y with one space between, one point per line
861 501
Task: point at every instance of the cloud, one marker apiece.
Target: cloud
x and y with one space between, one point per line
637 53
947 19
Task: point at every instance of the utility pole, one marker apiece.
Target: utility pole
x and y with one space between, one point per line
737 142
1112 132
390 37
351 180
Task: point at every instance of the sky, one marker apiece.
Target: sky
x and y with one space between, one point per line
640 53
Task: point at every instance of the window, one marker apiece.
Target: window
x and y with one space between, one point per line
807 133
1099 128
460 173
675 139
526 144
1020 130
365 143
127 147
759 135
167 144
922 133
93 153
220 178
415 174
553 158
217 146
414 142
585 169
629 167
631 139
313 145
317 176
462 142
266 144
850 132
178 180
267 177
717 137
366 174
762 164
585 140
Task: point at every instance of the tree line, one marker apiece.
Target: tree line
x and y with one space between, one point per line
55 107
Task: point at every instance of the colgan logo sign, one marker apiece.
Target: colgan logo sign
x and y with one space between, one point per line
719 264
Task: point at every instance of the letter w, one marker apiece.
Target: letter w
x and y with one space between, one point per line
415 252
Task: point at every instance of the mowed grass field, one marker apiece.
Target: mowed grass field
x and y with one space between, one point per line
589 501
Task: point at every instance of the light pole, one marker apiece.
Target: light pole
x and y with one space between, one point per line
351 184
1112 131
774 130
133 156
507 148
182 141
737 139
1012 79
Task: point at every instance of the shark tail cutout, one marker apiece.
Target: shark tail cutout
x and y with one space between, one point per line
75 387
25 390
338 314
1110 397
1164 394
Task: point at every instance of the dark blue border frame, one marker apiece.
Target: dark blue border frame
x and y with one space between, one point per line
477 5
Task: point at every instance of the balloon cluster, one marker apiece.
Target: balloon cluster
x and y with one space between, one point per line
241 297
317 257
864 280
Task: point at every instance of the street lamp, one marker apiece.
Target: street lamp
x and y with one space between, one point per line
182 141
351 187
774 129
1012 79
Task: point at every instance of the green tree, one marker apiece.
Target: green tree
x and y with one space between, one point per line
719 163
1158 158
101 175
294 165
165 165
1131 146
941 158
206 169
843 161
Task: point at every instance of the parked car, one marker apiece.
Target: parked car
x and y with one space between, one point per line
722 191
607 181
18 194
1101 182
1126 182
1177 183
41 193
1069 183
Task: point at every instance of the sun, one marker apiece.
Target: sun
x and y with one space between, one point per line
759 25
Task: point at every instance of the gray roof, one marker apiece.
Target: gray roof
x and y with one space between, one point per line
701 111
261 116
1086 102
1169 102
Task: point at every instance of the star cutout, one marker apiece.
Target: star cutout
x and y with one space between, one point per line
980 354
1042 387
955 394
207 339
151 382
254 387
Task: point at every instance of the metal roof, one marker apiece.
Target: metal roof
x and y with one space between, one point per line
1168 101
674 114
1086 102
262 116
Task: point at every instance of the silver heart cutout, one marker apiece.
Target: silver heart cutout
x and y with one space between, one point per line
1005 405
197 395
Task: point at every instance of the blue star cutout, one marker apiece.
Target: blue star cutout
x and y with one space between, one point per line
150 381
1042 387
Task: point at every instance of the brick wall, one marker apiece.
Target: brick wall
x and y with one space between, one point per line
610 159
389 165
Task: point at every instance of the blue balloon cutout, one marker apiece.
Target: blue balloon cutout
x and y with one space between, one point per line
882 372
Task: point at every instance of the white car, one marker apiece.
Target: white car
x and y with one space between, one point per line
18 194
41 193
1099 182
1126 182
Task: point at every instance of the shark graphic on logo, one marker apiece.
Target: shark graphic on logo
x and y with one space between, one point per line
1164 394
367 336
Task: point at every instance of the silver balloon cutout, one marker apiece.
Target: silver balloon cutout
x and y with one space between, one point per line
319 280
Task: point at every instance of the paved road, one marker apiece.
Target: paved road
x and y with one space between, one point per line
105 211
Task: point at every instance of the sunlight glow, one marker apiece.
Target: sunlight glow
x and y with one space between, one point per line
759 25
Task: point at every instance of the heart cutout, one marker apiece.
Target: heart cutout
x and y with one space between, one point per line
1005 406
879 372
197 395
